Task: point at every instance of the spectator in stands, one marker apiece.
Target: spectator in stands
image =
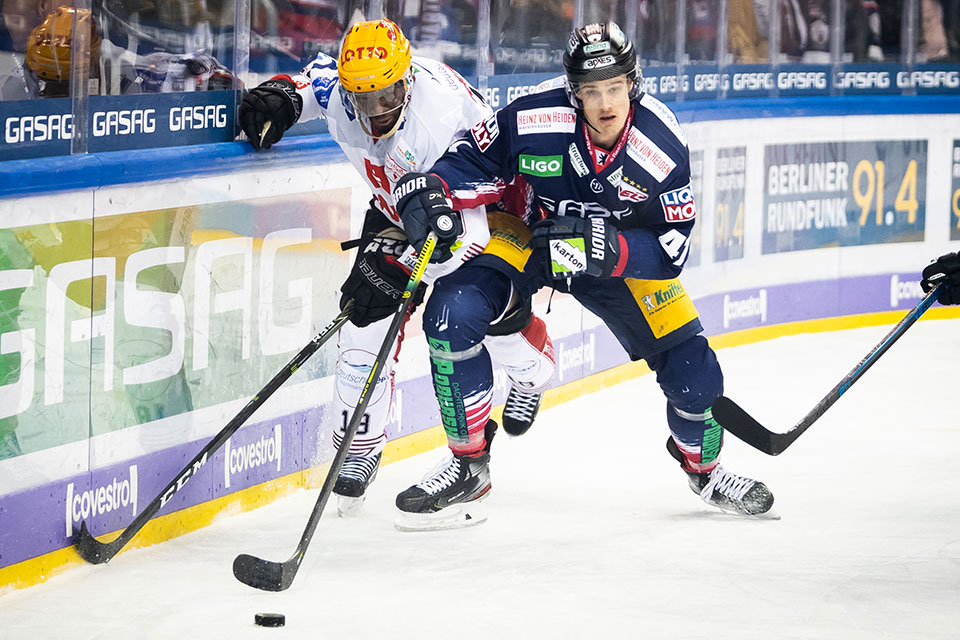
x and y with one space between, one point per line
933 37
702 29
747 41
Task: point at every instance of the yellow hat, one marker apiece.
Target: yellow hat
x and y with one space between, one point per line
374 56
49 46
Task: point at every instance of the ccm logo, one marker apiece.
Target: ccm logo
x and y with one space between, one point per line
678 205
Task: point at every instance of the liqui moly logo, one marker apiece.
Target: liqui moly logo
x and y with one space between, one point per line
113 496
678 205
266 450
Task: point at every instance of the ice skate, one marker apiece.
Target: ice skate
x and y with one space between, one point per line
725 490
449 496
520 410
357 474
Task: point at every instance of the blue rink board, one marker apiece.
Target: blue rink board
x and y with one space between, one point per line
95 170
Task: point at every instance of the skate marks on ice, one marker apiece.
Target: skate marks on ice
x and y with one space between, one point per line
593 531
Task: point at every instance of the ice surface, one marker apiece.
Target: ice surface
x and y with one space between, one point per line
593 532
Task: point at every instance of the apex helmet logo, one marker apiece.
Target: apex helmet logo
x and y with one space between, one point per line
678 204
598 63
541 166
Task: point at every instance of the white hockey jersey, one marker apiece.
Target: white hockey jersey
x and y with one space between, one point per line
442 107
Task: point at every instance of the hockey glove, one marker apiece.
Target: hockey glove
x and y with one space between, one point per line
378 278
276 102
580 246
423 206
945 269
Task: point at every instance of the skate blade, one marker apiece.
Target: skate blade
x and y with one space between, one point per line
349 507
768 515
457 516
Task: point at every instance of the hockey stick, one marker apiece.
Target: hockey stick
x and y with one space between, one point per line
278 576
738 422
96 552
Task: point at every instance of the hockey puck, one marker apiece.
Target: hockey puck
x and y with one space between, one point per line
270 619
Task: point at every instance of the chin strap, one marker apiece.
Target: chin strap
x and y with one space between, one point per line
368 130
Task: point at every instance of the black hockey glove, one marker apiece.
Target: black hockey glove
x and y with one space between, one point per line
579 246
276 102
423 206
377 281
945 269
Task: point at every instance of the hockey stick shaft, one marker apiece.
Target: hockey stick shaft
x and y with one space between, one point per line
278 576
96 552
742 425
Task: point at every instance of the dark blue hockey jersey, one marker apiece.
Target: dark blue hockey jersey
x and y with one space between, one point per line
643 184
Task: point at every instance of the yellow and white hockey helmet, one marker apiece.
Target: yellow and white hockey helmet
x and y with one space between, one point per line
50 44
376 73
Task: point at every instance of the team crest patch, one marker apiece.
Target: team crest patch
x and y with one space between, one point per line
630 191
648 155
546 119
678 205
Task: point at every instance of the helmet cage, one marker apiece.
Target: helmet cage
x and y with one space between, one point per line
380 102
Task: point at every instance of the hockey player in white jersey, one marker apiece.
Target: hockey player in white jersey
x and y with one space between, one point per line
392 113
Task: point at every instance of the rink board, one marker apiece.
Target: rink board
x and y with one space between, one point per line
234 263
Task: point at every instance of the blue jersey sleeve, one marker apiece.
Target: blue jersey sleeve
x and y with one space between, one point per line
475 167
658 249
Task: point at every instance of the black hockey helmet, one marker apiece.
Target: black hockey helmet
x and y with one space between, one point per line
599 52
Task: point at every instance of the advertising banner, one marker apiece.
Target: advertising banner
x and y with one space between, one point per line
37 128
728 220
828 194
955 192
134 319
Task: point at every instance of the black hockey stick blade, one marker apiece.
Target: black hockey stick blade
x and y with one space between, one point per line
278 576
97 552
263 574
91 549
741 424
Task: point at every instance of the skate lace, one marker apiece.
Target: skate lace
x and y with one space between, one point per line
729 484
442 476
359 467
520 405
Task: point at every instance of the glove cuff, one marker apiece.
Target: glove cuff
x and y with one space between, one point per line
284 84
621 265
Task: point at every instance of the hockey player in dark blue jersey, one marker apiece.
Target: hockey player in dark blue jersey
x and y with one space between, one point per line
611 210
